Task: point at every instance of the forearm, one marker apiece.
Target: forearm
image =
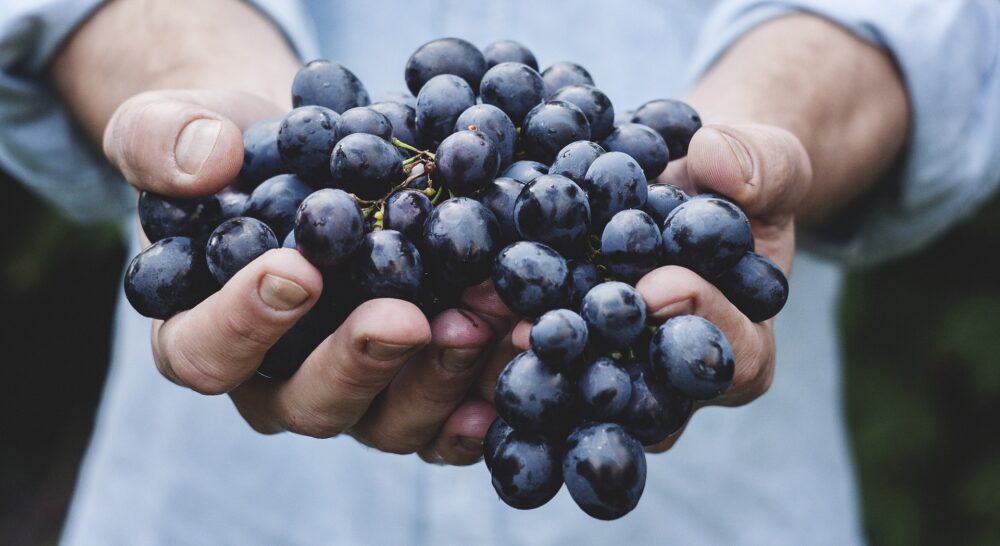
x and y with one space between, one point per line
131 46
842 97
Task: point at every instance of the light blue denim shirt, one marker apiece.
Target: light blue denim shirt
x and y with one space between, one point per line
168 466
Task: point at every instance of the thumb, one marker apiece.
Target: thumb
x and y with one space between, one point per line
182 143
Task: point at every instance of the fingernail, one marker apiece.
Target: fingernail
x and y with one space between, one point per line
683 307
459 360
195 144
386 351
741 154
281 294
470 443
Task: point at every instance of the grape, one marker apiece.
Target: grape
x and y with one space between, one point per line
559 337
526 471
461 240
614 182
236 243
550 126
582 277
161 216
531 278
674 120
631 245
168 277
615 314
498 432
387 265
363 119
593 103
365 165
419 180
305 140
232 203
400 97
499 196
645 145
406 211
525 171
402 117
653 411
452 56
534 397
605 470
467 161
439 103
329 228
553 210
574 160
514 88
286 356
495 124
693 356
662 199
756 286
261 159
563 73
605 388
328 84
706 235
275 201
508 51
289 241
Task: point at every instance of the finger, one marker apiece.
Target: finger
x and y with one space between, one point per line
429 387
485 302
221 342
460 441
503 352
521 336
182 143
670 291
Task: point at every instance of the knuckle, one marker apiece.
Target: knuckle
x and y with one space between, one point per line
311 423
383 439
198 373
246 334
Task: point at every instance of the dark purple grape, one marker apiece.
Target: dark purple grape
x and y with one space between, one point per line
161 216
406 211
674 120
707 236
261 159
559 337
535 397
614 182
531 278
418 177
693 356
564 73
605 470
615 314
437 295
328 84
402 117
275 202
574 160
553 210
329 228
236 243
594 104
526 471
645 145
452 56
498 432
500 196
525 171
387 265
550 126
366 166
232 203
631 245
401 97
466 162
756 286
305 140
582 277
508 51
286 356
604 389
168 277
515 88
363 119
495 124
654 412
440 102
662 200
461 240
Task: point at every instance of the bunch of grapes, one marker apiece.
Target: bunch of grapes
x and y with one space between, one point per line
493 171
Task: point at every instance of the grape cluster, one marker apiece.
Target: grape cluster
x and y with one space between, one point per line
492 171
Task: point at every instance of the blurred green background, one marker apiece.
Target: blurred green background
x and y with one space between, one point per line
921 344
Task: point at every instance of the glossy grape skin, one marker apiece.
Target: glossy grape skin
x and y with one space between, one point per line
387 265
328 84
305 140
756 286
693 356
495 124
574 160
161 216
564 73
499 196
452 56
402 117
653 412
419 180
439 103
662 199
631 245
605 470
559 337
497 433
594 104
236 243
329 228
275 202
168 277
531 278
365 165
674 120
535 397
707 235
645 145
466 162
550 126
515 88
406 211
525 171
553 210
461 240
614 182
526 471
508 51
615 314
261 159
604 389
582 277
232 203
363 119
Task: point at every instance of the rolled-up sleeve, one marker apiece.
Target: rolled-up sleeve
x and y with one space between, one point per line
39 143
948 52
